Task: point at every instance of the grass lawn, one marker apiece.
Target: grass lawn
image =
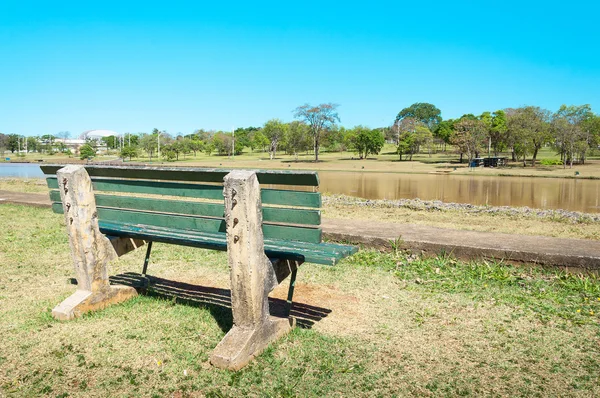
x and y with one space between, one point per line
395 325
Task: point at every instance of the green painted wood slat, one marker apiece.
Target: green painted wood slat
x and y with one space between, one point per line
344 250
214 192
270 214
323 253
209 225
276 177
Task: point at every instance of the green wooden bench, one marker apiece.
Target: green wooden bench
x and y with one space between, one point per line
267 232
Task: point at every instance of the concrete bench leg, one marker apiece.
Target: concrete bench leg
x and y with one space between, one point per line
252 276
90 249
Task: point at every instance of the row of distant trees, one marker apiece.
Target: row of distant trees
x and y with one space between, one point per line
316 127
573 131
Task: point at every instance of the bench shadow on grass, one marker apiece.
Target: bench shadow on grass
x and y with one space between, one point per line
217 301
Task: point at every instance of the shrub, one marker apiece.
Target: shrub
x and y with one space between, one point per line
551 162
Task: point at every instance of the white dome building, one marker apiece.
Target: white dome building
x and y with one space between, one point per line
97 134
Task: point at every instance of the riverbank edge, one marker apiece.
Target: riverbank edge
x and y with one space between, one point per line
570 255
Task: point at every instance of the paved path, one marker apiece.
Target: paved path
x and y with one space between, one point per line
572 254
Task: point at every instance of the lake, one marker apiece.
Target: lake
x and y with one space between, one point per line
542 193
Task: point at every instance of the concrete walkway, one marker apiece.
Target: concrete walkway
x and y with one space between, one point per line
570 254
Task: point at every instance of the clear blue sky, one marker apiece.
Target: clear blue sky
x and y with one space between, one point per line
131 66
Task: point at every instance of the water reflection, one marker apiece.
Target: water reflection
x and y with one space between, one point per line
543 193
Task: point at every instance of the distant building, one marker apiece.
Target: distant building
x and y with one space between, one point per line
98 134
73 145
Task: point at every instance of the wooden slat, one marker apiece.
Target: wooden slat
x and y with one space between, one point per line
290 198
291 216
270 214
276 177
323 253
213 192
206 225
160 188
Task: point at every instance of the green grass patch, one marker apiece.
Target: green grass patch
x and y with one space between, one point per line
397 325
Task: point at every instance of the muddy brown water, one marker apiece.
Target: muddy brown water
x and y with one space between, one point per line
541 193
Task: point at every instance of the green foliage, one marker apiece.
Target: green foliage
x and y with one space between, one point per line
424 112
86 151
444 130
551 162
366 141
129 152
149 143
297 138
275 131
12 142
260 141
575 130
318 119
169 154
111 142
529 130
469 136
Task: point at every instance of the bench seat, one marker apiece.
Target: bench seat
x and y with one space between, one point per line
319 253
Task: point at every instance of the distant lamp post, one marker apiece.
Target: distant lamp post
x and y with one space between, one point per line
158 140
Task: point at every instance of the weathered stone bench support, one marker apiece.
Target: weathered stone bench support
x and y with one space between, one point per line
253 276
91 251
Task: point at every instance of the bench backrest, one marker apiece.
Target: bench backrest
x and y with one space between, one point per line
192 198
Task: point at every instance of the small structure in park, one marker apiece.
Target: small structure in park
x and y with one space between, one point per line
265 244
488 162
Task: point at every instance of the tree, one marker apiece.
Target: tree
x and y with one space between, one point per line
275 131
529 126
176 147
86 152
444 131
259 140
469 136
424 112
111 142
149 144
195 145
297 138
33 144
567 126
243 138
318 118
590 128
406 144
64 135
498 131
13 142
3 143
130 151
366 141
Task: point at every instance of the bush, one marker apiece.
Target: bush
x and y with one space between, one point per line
551 162
86 151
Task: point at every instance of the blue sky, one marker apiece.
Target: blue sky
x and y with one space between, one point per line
131 66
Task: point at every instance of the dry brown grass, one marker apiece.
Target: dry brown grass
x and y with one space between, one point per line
31 185
462 220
